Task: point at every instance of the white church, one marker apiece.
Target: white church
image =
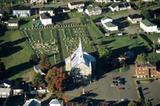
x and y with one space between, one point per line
80 60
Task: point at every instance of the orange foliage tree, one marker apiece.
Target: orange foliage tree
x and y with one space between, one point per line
55 79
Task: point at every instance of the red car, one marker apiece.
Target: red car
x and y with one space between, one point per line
121 88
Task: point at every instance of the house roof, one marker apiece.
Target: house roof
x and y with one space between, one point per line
135 16
93 8
32 102
109 24
54 101
13 21
22 8
45 16
77 3
147 23
114 5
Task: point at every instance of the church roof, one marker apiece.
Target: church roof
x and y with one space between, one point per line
79 56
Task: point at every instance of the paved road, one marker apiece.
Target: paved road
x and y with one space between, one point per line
151 92
101 89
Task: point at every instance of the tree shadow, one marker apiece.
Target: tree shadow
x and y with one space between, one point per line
8 48
18 68
60 17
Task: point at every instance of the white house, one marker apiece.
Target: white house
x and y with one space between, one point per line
103 1
93 10
38 1
80 60
45 19
120 6
5 92
22 12
147 26
110 26
66 10
135 18
75 5
56 102
13 23
50 11
32 102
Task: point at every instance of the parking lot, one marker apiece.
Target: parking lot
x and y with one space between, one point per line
102 89
151 92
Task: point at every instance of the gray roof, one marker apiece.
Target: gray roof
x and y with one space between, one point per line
54 101
22 8
45 16
13 21
109 24
32 102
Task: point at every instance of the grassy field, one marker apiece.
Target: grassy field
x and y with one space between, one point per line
16 54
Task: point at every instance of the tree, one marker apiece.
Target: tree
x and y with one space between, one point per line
141 58
44 62
132 103
55 79
34 59
101 51
147 103
2 69
38 79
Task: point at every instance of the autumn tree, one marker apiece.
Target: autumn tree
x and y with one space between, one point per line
55 79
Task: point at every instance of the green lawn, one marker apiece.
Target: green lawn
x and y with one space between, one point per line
16 53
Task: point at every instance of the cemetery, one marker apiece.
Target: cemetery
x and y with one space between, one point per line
56 39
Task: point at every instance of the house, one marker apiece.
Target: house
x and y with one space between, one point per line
13 23
5 92
48 10
75 5
93 10
108 25
146 71
17 88
21 11
114 7
80 9
32 102
45 19
80 60
135 18
120 6
147 26
40 88
38 1
103 1
56 102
